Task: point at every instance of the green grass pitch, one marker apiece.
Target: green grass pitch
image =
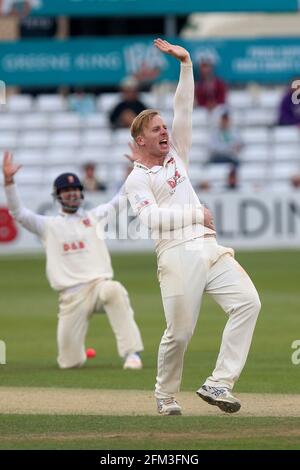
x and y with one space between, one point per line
28 326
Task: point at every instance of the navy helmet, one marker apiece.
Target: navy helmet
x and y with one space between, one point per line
66 180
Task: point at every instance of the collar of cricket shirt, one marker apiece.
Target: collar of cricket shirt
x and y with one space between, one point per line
156 168
79 213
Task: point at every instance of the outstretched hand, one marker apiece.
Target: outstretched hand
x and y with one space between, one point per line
9 168
134 155
176 51
208 219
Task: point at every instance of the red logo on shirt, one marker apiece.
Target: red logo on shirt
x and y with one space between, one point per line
74 246
173 181
87 222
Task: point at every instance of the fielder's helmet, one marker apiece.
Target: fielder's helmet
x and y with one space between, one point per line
66 180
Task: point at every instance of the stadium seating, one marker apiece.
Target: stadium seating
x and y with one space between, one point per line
45 136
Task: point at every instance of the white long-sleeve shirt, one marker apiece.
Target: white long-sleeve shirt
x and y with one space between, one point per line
76 252
163 196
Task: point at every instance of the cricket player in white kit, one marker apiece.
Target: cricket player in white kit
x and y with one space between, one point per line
190 261
78 266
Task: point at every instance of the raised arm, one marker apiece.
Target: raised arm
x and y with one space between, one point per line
183 99
33 222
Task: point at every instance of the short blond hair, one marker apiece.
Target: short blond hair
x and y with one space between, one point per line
141 121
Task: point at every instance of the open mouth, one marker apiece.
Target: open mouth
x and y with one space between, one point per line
163 142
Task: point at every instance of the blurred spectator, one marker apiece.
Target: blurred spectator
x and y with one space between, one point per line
130 105
204 186
19 8
295 181
225 145
210 90
90 181
289 112
232 179
82 103
225 142
146 75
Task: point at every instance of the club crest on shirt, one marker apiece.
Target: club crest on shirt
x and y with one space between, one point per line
87 222
175 180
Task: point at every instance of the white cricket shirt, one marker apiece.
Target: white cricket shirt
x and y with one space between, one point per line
75 251
163 196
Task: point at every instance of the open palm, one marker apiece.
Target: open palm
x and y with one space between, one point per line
9 168
176 51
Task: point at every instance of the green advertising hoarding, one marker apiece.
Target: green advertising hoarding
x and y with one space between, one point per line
152 7
108 61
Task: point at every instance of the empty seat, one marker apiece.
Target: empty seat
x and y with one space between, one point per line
286 134
121 136
255 117
33 139
199 117
255 135
216 172
65 138
198 154
97 120
35 121
94 154
166 101
200 137
196 173
108 101
30 157
286 152
8 139
58 156
118 152
240 99
19 103
284 171
149 99
270 98
255 152
253 172
115 173
9 122
50 103
65 121
96 137
30 175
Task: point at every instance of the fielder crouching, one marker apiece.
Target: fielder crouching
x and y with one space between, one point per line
78 266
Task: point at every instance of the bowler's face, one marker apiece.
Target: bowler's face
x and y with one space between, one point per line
155 137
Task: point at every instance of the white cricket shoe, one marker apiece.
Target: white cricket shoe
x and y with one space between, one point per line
168 406
133 361
221 397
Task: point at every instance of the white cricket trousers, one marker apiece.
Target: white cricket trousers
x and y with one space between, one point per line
185 272
75 311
